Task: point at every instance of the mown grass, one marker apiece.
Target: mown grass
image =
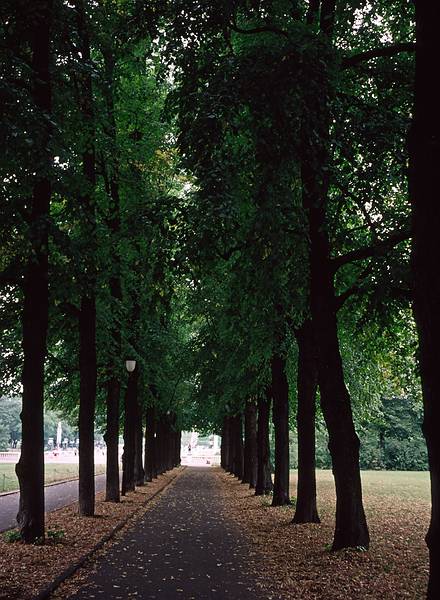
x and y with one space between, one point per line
52 472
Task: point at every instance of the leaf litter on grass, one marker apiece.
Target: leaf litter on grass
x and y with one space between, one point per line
293 561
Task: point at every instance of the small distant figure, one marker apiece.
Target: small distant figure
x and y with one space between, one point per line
189 447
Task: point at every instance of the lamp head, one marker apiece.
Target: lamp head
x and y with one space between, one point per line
130 365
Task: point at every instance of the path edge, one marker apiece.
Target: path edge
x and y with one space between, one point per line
71 569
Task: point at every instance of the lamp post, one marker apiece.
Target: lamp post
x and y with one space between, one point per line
128 483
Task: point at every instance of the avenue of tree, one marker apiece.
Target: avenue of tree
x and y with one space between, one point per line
240 196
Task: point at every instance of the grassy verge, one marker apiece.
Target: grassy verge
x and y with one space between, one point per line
52 472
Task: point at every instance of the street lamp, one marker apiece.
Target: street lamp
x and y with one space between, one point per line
130 365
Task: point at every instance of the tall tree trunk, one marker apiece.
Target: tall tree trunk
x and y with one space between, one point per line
231 445
114 225
30 468
130 411
159 445
87 316
179 448
306 510
139 472
250 444
280 412
238 446
424 161
111 438
246 447
264 483
150 430
155 448
148 475
351 527
174 434
224 443
86 425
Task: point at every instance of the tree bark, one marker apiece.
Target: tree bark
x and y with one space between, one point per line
114 225
150 430
159 445
139 472
175 446
179 448
250 444
238 457
155 456
30 468
306 510
351 527
264 483
424 160
111 438
86 425
130 413
224 443
169 442
280 412
230 450
87 316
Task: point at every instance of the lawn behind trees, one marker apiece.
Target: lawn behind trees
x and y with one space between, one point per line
52 473
402 485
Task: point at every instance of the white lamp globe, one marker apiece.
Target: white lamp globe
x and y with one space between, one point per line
130 365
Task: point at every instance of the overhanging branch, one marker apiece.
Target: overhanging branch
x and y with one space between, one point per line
378 249
265 29
384 51
355 288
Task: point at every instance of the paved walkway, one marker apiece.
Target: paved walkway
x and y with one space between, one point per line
56 496
182 548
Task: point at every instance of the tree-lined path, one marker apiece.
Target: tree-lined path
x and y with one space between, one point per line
221 218
184 547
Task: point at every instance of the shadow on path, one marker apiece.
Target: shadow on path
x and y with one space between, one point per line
182 548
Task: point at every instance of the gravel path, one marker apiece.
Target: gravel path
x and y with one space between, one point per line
56 496
182 548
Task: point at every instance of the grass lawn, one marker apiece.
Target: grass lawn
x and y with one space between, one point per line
408 485
52 472
298 557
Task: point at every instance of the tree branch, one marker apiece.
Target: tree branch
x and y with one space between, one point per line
378 249
67 369
354 289
385 51
266 29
